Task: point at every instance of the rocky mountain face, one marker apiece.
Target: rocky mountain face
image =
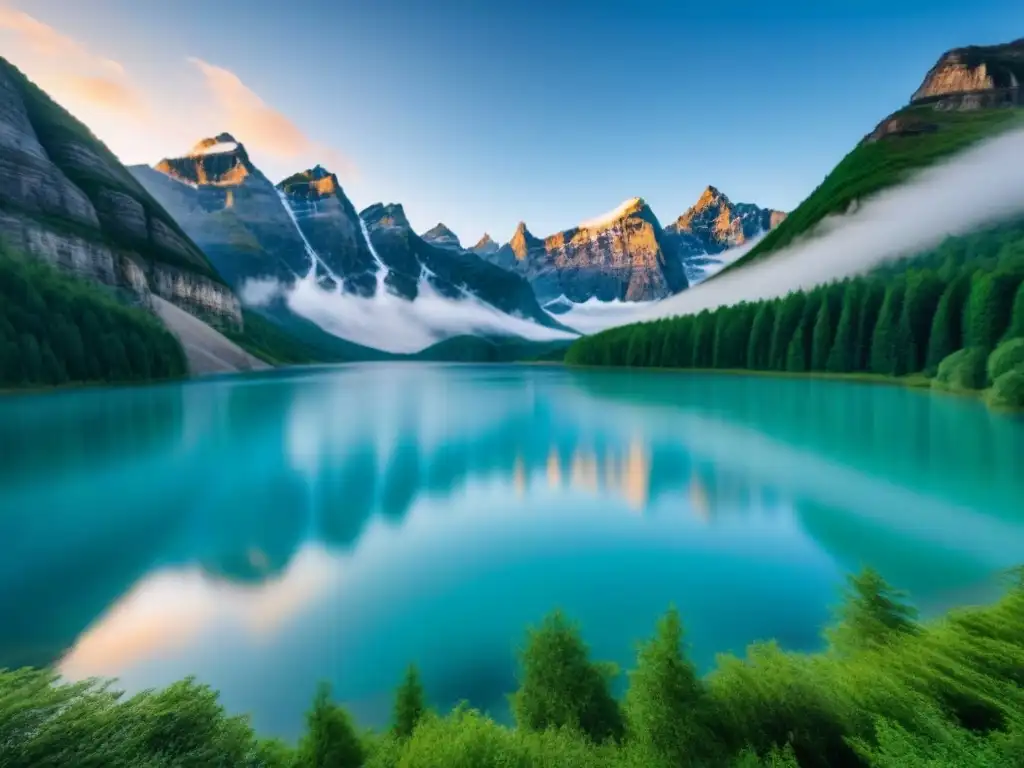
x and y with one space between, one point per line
447 268
230 209
626 254
485 246
965 71
963 79
442 237
66 199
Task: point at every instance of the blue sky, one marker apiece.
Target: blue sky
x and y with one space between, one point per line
480 114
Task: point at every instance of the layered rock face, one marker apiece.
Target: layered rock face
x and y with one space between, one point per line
626 254
997 69
485 246
442 237
65 198
963 79
446 267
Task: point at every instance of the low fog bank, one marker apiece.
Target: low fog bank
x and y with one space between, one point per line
980 186
391 323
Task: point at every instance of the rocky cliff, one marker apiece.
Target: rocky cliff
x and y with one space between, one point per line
485 246
65 198
973 79
443 237
970 70
627 255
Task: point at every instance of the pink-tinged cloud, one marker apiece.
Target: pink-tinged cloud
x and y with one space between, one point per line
108 94
47 41
260 126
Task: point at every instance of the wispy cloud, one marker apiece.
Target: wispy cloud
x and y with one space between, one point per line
73 71
260 126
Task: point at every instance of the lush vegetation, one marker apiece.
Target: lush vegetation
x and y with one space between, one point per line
954 314
492 349
874 166
886 691
56 329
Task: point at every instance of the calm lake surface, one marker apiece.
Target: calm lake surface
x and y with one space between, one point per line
264 533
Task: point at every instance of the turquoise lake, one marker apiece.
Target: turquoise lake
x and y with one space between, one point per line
263 533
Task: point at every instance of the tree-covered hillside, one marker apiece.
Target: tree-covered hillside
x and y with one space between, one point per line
950 315
56 329
931 135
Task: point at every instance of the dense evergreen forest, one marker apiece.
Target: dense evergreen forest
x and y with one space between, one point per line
954 315
56 329
887 691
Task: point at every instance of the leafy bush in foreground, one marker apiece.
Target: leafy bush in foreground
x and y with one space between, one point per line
888 692
965 369
1005 357
1008 390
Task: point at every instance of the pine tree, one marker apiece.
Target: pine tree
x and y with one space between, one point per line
871 614
821 343
796 359
884 357
664 703
871 306
759 346
410 704
330 740
990 308
1017 318
842 357
924 290
946 334
786 321
561 687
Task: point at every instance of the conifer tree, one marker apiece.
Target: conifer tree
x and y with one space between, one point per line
884 356
924 290
821 343
871 306
330 740
786 321
410 704
759 346
842 357
990 308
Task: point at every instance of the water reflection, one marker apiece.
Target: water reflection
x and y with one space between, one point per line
265 533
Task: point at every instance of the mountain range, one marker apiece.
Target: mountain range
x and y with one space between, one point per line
211 235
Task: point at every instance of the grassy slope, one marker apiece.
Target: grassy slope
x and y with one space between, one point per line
56 127
870 168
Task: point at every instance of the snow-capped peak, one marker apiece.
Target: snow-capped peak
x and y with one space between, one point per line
616 213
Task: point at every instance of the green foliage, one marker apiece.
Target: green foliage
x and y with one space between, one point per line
760 344
665 702
874 166
947 334
1016 329
560 687
1008 390
885 354
786 321
57 329
924 290
889 692
330 740
990 307
964 370
844 357
1006 357
410 704
822 335
871 614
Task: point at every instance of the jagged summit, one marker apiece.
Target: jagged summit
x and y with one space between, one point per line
390 216
485 246
626 208
313 183
718 223
441 235
219 161
523 241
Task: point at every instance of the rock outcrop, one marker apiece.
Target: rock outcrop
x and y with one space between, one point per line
963 79
993 68
485 246
65 198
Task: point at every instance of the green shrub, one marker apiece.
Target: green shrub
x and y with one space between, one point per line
1008 390
1005 357
560 687
965 369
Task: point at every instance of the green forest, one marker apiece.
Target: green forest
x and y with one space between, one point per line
886 691
952 318
57 329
